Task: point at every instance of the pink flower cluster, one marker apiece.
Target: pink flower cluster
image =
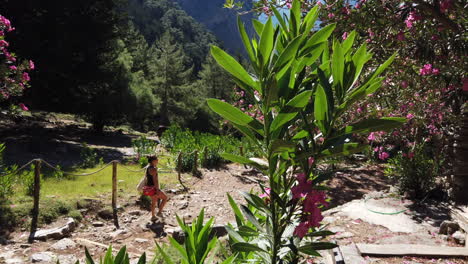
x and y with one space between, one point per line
13 77
383 155
312 200
242 103
427 69
412 17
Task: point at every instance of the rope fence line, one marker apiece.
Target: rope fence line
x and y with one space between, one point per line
37 182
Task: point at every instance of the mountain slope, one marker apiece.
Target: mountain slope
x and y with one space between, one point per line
221 21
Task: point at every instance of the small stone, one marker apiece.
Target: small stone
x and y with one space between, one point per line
63 244
448 227
141 240
98 224
25 246
459 237
46 257
183 205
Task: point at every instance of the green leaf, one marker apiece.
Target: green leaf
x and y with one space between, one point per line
291 109
245 39
288 53
234 115
295 13
246 247
321 35
234 235
258 26
348 43
251 217
321 109
230 260
108 256
120 256
279 146
338 69
89 258
384 66
179 248
238 159
166 257
279 18
343 150
309 20
371 125
233 67
322 233
301 134
317 246
142 259
266 40
237 211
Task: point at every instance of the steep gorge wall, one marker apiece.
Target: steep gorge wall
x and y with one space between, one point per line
219 20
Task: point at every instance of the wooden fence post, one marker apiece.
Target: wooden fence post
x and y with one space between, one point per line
205 157
37 192
114 193
179 170
195 164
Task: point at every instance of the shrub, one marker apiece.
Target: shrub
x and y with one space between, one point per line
88 156
75 214
6 178
144 146
209 147
414 172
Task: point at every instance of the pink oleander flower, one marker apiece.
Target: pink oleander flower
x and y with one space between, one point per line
31 65
303 187
13 67
404 84
266 194
425 70
383 155
345 35
371 136
26 77
409 116
435 71
3 43
331 15
23 107
302 229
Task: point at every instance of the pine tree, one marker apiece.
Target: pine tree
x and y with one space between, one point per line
172 82
215 80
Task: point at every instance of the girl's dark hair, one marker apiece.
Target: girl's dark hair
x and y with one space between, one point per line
151 158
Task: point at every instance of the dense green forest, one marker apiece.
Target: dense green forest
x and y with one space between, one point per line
142 62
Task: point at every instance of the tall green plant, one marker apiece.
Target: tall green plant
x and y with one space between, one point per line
302 86
198 244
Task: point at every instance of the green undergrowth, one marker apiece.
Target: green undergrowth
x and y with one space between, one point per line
60 196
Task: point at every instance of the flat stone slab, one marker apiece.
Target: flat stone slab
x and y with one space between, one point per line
63 244
43 257
359 209
56 233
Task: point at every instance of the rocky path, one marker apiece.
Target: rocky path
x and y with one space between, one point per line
97 231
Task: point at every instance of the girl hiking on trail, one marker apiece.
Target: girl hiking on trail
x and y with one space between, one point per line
152 187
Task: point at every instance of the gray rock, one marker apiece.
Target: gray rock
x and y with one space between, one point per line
45 257
56 233
459 237
98 224
141 240
106 214
63 244
448 227
67 259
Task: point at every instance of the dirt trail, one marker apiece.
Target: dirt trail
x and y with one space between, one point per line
136 231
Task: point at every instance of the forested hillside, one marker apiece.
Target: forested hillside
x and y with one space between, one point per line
117 61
